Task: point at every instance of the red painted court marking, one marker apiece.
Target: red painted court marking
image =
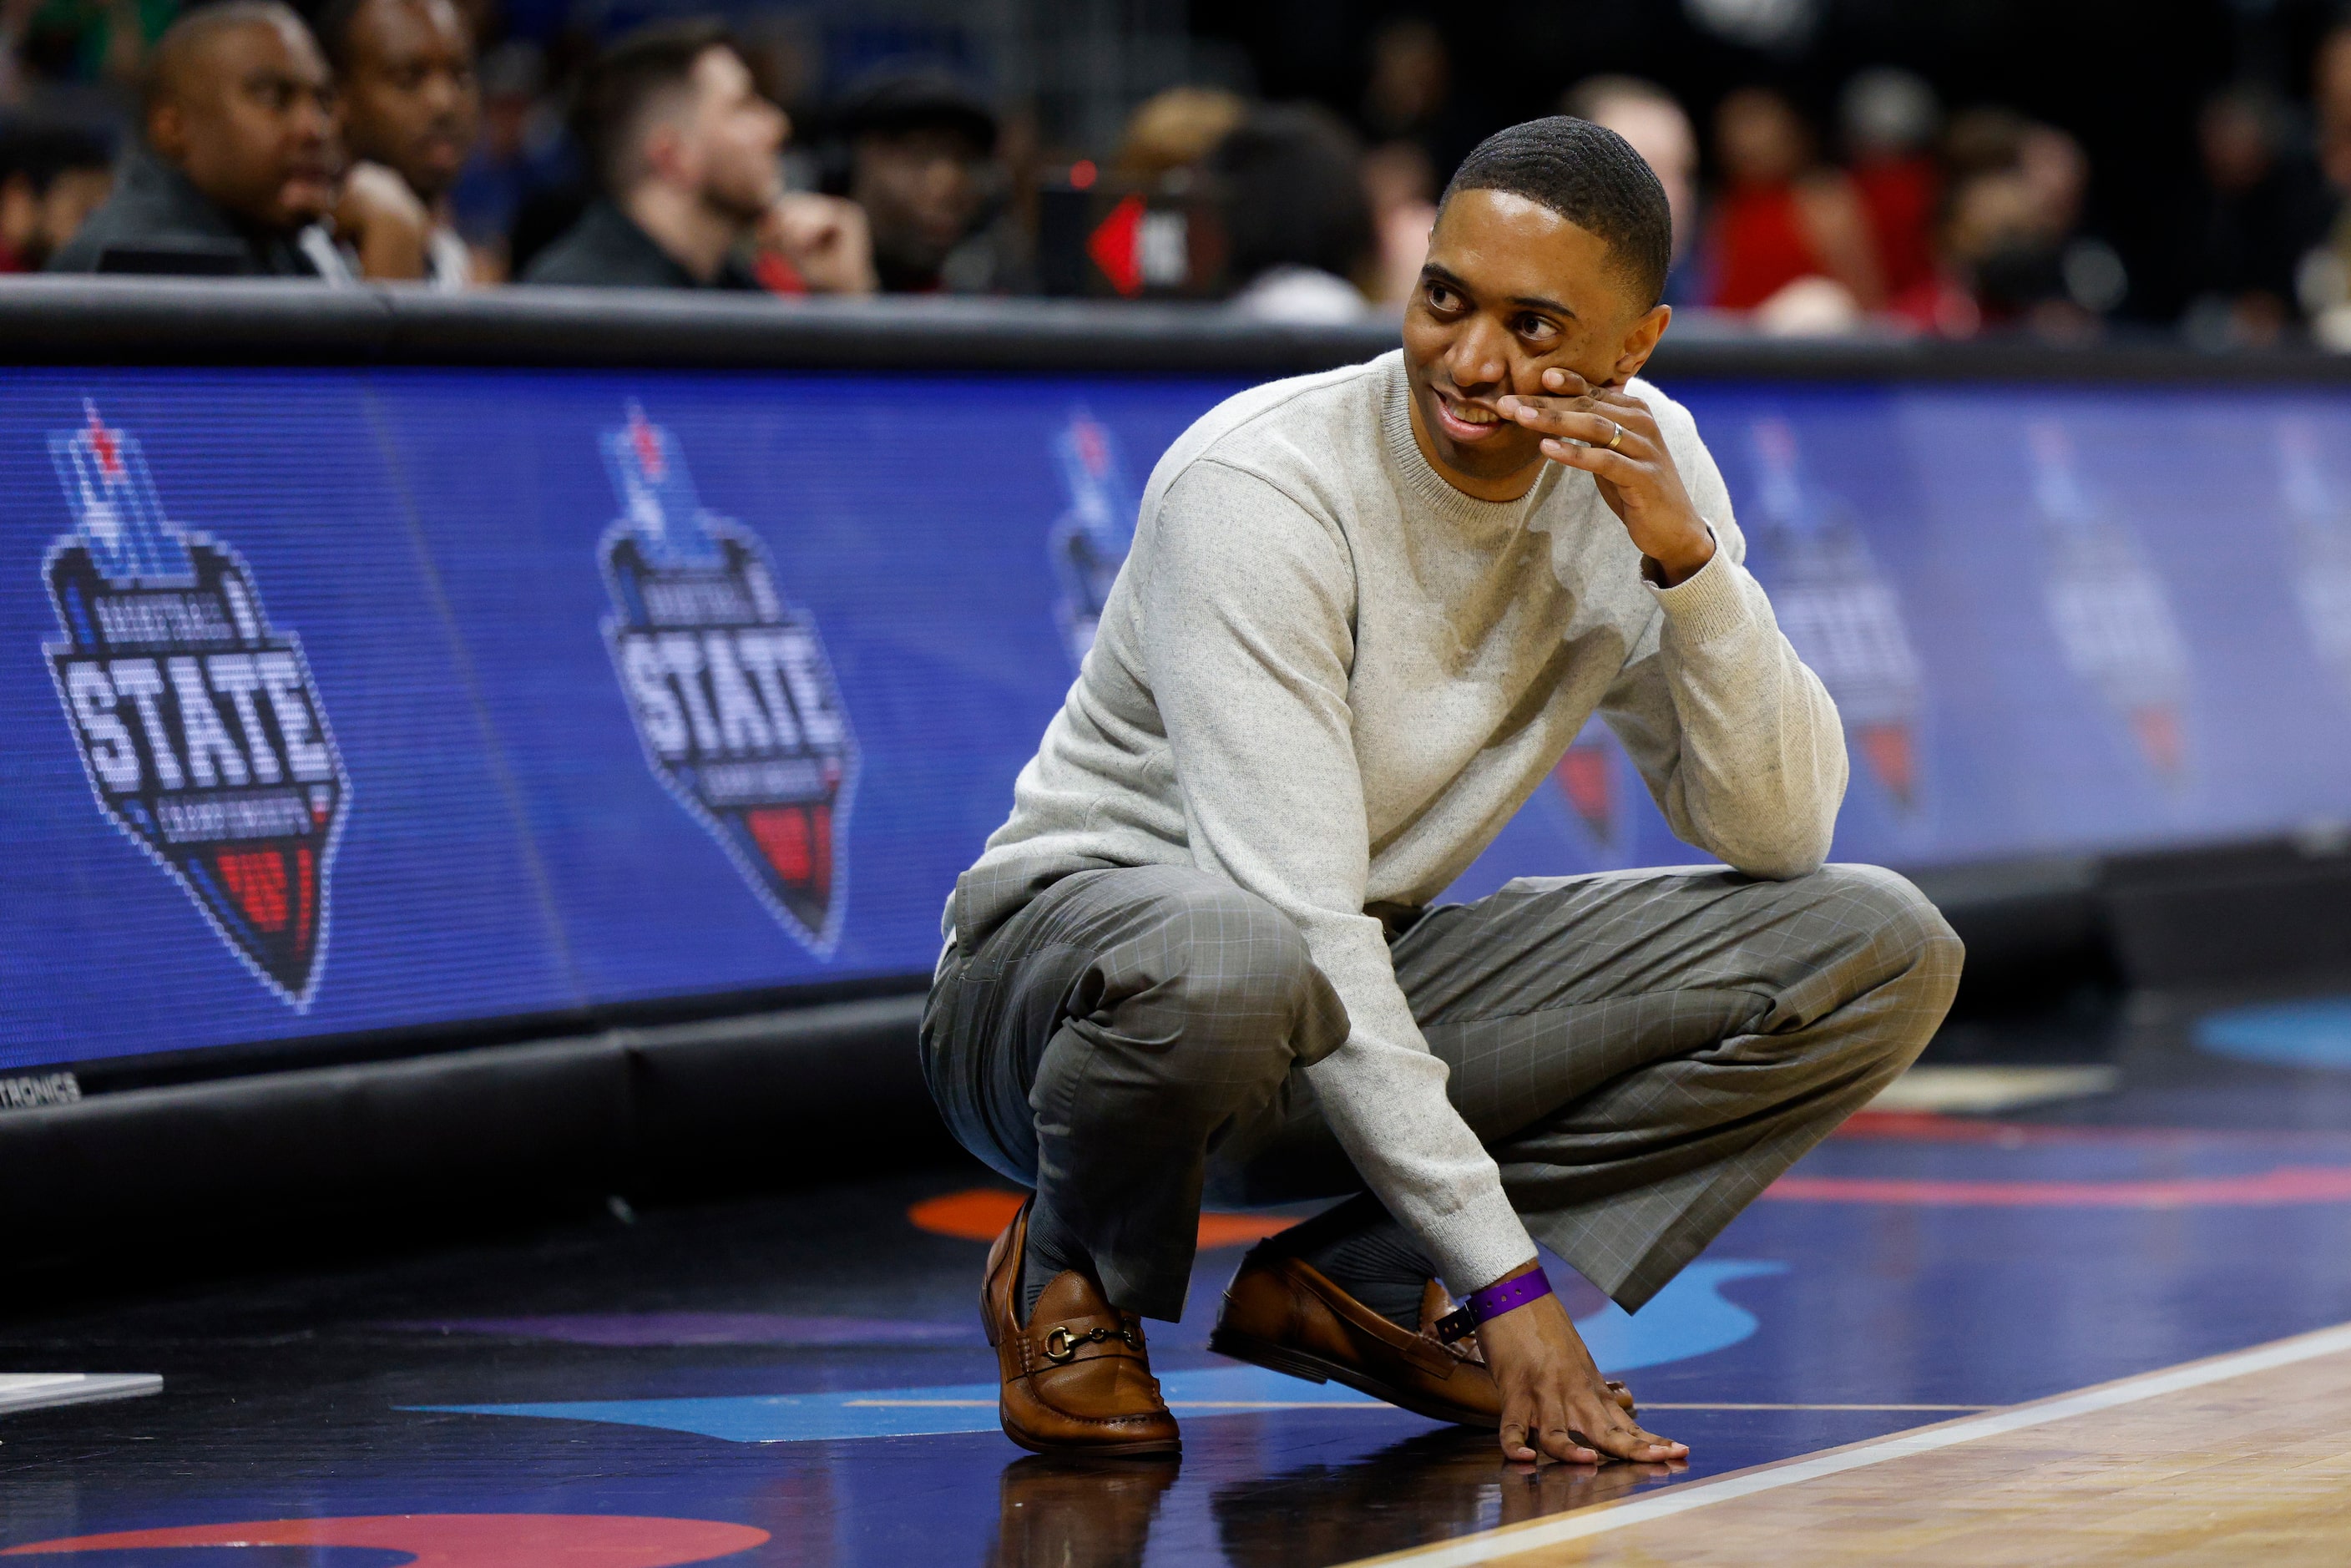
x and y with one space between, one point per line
982 1213
2288 1183
460 1539
1934 1127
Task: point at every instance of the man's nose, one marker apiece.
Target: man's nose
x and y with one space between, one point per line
1478 357
314 119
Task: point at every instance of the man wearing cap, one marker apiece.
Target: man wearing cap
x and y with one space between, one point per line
916 146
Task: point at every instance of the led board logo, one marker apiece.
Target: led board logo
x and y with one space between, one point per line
1600 787
1090 541
734 698
1840 613
199 726
2322 536
2108 608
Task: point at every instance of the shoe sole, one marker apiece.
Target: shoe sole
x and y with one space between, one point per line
1147 1449
1319 1369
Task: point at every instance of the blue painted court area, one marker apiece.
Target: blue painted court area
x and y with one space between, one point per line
1690 1317
2308 1034
808 1366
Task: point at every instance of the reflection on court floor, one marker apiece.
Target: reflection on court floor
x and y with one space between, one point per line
805 1372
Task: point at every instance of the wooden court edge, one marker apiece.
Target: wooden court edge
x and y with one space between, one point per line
48 1391
1488 1546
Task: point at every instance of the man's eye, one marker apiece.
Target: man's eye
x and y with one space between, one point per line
1441 296
1534 327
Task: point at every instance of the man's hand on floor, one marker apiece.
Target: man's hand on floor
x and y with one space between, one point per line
1555 1404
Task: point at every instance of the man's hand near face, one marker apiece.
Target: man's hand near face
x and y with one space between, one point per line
824 237
382 216
1578 421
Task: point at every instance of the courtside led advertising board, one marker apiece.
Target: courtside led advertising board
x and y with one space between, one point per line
349 701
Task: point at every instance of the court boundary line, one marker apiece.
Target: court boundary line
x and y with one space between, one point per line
1511 1540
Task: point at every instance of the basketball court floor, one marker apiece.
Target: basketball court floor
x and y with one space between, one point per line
2086 1314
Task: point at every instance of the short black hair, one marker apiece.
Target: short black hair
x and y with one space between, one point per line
168 61
332 23
608 115
1591 177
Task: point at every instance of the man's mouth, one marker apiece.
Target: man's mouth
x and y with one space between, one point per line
1466 421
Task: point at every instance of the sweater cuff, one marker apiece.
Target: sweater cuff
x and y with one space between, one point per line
1706 604
1478 1244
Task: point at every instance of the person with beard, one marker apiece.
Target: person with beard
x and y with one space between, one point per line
686 151
410 103
239 164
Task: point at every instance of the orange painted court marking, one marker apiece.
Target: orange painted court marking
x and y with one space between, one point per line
982 1213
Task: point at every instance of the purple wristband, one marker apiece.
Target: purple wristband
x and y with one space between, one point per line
1484 1306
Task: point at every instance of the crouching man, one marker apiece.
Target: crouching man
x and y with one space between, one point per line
1365 613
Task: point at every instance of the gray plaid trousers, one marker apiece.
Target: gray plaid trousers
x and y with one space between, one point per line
1642 1051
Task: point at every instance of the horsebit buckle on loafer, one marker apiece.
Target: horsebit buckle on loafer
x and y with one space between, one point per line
1061 1344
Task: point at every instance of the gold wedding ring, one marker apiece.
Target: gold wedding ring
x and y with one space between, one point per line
1616 438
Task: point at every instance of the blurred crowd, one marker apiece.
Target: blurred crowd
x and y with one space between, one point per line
454 144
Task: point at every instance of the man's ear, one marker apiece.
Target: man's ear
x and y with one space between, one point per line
167 132
663 154
1641 341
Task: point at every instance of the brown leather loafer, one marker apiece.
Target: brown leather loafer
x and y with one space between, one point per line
1287 1316
1076 1376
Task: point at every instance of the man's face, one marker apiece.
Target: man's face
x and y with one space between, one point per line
1510 290
410 99
730 137
920 190
252 125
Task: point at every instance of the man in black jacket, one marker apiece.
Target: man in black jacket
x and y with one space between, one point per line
239 161
686 150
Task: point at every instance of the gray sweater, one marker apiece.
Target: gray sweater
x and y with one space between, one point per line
1332 677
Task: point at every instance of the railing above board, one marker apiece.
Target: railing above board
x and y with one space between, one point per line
86 321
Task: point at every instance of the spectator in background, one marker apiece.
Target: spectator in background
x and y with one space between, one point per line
2014 250
686 154
411 107
2260 211
1790 238
239 162
1409 96
1401 187
522 153
51 179
1653 121
913 153
1890 120
1173 132
1297 228
2324 279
